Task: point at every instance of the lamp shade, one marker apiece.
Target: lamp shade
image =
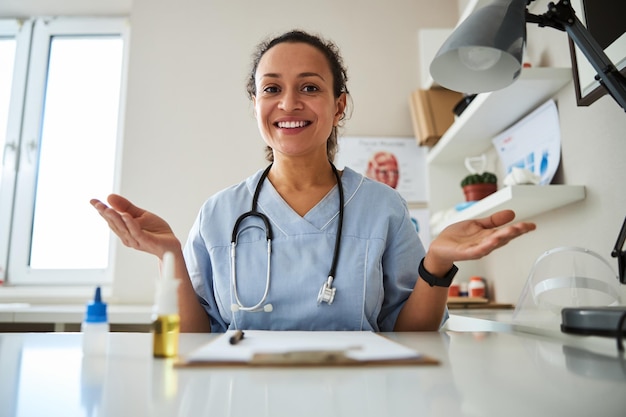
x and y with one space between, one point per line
484 53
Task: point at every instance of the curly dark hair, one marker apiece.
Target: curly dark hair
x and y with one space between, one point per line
335 62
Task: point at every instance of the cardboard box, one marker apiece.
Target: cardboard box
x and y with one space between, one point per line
431 113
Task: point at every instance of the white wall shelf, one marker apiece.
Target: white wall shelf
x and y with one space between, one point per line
525 200
471 134
491 113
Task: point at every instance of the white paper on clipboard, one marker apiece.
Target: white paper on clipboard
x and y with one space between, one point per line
361 346
533 143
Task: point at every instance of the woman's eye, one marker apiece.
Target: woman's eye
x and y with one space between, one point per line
310 89
270 89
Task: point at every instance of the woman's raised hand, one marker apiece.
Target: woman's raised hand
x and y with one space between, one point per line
136 227
473 239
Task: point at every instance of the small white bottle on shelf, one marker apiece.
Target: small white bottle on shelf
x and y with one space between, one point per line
95 327
476 287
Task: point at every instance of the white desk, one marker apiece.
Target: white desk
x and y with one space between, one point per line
481 374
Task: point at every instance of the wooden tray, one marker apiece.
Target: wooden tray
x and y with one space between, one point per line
467 300
475 302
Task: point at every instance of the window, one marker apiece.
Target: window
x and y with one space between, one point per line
60 131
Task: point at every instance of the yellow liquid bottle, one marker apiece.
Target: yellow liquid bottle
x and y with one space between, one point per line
166 324
165 331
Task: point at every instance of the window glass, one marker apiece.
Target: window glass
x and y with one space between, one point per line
61 113
77 152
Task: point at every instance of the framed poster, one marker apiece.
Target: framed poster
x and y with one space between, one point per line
396 161
604 19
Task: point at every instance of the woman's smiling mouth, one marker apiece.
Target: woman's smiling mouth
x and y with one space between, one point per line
292 124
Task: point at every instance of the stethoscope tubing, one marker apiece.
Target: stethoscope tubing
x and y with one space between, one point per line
327 286
258 306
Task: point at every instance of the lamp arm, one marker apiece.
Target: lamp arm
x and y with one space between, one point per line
544 20
562 16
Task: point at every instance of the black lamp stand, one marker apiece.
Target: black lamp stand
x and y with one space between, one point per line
562 16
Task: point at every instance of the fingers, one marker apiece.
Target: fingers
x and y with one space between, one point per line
130 232
124 205
497 219
103 210
504 235
474 239
493 239
133 235
118 222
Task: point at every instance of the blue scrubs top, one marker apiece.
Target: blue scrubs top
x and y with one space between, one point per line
376 271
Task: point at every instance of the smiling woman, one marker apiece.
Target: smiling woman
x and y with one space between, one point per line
331 76
315 249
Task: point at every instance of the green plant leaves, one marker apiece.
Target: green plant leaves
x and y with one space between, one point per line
485 177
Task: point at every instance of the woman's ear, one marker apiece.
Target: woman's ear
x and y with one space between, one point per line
341 109
254 106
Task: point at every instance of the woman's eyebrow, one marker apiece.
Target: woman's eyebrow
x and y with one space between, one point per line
310 74
301 75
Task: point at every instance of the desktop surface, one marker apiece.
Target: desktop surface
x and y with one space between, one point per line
479 374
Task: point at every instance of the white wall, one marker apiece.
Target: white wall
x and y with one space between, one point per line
190 131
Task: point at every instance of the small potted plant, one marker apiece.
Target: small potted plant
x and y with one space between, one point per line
477 186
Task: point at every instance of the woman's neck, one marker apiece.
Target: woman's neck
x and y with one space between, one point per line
299 175
302 186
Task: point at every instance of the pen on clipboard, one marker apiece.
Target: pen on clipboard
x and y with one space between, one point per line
236 337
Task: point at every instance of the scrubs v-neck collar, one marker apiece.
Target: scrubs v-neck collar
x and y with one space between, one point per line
323 215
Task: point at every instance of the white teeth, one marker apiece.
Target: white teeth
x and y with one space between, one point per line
292 124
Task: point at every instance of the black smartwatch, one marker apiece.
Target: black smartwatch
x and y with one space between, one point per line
433 280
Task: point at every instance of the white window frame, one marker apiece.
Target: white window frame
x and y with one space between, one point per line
20 31
19 271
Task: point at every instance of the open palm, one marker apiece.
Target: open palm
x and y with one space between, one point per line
137 228
473 239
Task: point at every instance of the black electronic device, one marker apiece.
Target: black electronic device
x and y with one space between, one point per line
600 321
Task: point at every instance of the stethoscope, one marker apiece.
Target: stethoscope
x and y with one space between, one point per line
326 293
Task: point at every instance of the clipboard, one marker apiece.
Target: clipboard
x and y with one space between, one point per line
265 348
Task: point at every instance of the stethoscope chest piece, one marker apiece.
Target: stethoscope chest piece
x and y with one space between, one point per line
327 292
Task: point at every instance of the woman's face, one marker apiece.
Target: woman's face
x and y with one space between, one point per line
294 103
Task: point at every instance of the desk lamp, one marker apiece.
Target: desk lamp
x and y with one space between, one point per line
484 53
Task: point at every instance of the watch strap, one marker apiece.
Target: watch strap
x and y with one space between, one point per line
435 281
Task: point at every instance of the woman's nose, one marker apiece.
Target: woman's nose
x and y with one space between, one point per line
290 100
